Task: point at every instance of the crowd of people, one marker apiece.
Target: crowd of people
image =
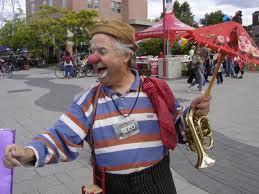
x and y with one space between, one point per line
202 64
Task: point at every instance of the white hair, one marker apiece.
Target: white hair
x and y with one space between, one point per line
125 49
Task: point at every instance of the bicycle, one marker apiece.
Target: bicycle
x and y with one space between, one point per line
59 71
6 70
88 70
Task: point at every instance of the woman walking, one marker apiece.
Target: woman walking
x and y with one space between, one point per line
68 64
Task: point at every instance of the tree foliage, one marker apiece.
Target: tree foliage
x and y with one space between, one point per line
183 13
150 46
51 27
212 18
13 30
154 46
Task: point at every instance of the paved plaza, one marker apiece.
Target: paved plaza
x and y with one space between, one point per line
33 100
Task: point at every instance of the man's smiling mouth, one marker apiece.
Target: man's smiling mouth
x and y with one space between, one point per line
102 72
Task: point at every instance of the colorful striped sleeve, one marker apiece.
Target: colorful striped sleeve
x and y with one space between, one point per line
63 141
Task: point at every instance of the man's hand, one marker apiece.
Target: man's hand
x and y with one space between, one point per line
16 156
202 105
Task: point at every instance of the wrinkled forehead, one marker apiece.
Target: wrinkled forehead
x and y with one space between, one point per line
102 40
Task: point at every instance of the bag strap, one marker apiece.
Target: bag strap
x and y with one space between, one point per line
97 93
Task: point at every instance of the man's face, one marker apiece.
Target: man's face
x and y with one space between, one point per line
113 65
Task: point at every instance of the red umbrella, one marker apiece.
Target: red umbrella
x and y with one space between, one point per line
229 38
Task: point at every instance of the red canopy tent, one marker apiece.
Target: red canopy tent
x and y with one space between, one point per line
173 27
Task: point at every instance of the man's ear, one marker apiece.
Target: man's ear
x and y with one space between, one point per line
126 58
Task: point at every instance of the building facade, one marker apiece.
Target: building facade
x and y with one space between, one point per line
133 12
255 27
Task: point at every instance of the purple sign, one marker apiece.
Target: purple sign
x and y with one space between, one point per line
7 136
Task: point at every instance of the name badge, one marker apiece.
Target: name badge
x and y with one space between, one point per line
126 127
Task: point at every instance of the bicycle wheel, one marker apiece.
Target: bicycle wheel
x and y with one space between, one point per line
59 72
89 72
95 73
7 72
80 74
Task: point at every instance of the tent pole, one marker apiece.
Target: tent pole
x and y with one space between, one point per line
164 42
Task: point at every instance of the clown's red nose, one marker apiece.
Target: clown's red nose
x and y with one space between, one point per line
93 59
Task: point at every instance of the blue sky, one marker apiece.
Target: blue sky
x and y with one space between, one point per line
200 7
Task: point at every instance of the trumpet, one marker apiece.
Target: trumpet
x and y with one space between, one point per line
198 131
199 138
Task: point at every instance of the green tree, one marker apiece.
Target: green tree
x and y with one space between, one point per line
54 26
212 18
183 13
77 25
51 27
150 46
13 30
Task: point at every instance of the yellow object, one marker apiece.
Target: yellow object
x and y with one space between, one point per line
184 41
93 189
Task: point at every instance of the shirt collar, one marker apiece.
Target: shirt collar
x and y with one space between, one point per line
134 87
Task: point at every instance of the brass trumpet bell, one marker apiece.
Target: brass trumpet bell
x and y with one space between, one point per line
198 136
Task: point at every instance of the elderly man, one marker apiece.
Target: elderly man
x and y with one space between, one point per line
125 118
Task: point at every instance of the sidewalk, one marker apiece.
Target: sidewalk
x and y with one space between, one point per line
34 99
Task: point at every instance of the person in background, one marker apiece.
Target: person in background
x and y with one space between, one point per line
219 75
239 67
191 66
132 129
205 54
198 61
208 68
191 52
161 54
68 64
230 66
238 17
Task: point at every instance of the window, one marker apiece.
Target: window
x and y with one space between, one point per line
90 3
63 3
257 18
50 2
44 2
32 7
96 4
93 4
116 6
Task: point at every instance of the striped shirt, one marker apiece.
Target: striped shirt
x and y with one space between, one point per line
63 141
